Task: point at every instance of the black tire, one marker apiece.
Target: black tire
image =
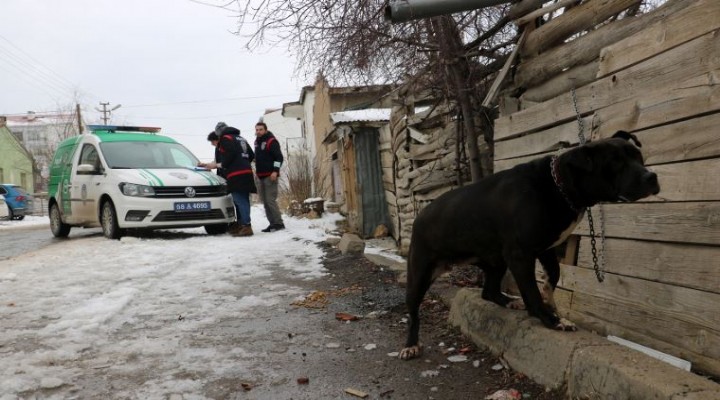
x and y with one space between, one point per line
57 227
216 229
11 215
108 221
20 217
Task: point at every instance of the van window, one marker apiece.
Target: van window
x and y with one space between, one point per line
89 156
62 157
147 155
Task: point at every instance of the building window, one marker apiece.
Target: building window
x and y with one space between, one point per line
2 175
23 180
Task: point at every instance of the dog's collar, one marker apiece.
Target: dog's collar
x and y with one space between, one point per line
559 184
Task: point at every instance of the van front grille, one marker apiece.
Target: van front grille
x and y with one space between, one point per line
172 216
169 192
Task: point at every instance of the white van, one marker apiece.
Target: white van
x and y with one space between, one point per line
120 178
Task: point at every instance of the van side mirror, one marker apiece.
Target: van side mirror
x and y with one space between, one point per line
86 169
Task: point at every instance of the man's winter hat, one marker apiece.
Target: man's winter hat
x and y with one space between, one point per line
220 127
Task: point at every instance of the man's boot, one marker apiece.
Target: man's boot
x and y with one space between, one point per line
233 228
245 230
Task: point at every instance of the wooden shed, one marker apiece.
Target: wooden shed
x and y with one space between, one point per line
655 75
357 169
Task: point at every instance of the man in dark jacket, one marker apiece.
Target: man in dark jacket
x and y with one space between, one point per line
236 155
214 139
268 160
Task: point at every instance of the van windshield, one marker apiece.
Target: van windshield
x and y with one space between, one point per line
147 155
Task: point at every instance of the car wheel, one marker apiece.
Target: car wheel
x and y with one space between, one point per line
11 214
20 217
216 229
58 228
108 221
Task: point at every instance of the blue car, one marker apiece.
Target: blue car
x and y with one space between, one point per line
18 200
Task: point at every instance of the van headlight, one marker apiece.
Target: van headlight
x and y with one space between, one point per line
132 189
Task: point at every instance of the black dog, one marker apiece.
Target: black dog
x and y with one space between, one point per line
511 218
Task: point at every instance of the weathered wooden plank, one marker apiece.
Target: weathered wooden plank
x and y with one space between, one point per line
493 91
698 95
501 165
685 265
662 72
694 222
388 186
561 83
684 317
440 164
607 317
550 139
699 18
587 48
433 180
386 159
545 10
689 181
523 7
686 140
584 16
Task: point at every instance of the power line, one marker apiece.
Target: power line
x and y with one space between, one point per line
211 100
22 71
40 71
53 96
60 77
28 69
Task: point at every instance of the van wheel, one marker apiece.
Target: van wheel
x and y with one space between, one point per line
58 228
216 229
108 221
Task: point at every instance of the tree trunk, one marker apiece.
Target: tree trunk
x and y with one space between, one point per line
457 70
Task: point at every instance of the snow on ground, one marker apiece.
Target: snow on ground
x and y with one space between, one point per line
385 247
67 302
28 221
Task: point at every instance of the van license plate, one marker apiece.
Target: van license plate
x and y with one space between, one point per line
192 206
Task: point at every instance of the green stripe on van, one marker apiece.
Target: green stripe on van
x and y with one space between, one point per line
205 175
147 177
160 182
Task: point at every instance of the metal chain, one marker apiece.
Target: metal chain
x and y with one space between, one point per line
598 266
581 123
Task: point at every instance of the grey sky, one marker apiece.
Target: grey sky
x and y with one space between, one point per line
170 63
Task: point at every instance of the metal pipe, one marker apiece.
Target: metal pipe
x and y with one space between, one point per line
407 10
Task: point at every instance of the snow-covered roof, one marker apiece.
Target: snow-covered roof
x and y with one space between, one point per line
366 115
39 119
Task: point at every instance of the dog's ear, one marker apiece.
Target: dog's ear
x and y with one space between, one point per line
580 158
627 136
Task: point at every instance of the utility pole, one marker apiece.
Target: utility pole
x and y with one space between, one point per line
106 112
79 118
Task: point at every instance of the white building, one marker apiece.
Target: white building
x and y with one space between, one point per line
40 134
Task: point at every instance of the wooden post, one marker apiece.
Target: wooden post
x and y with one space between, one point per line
79 118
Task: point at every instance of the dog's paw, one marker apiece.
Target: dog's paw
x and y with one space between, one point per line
515 304
409 353
565 325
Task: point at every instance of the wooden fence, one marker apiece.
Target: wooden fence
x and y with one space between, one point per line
656 75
